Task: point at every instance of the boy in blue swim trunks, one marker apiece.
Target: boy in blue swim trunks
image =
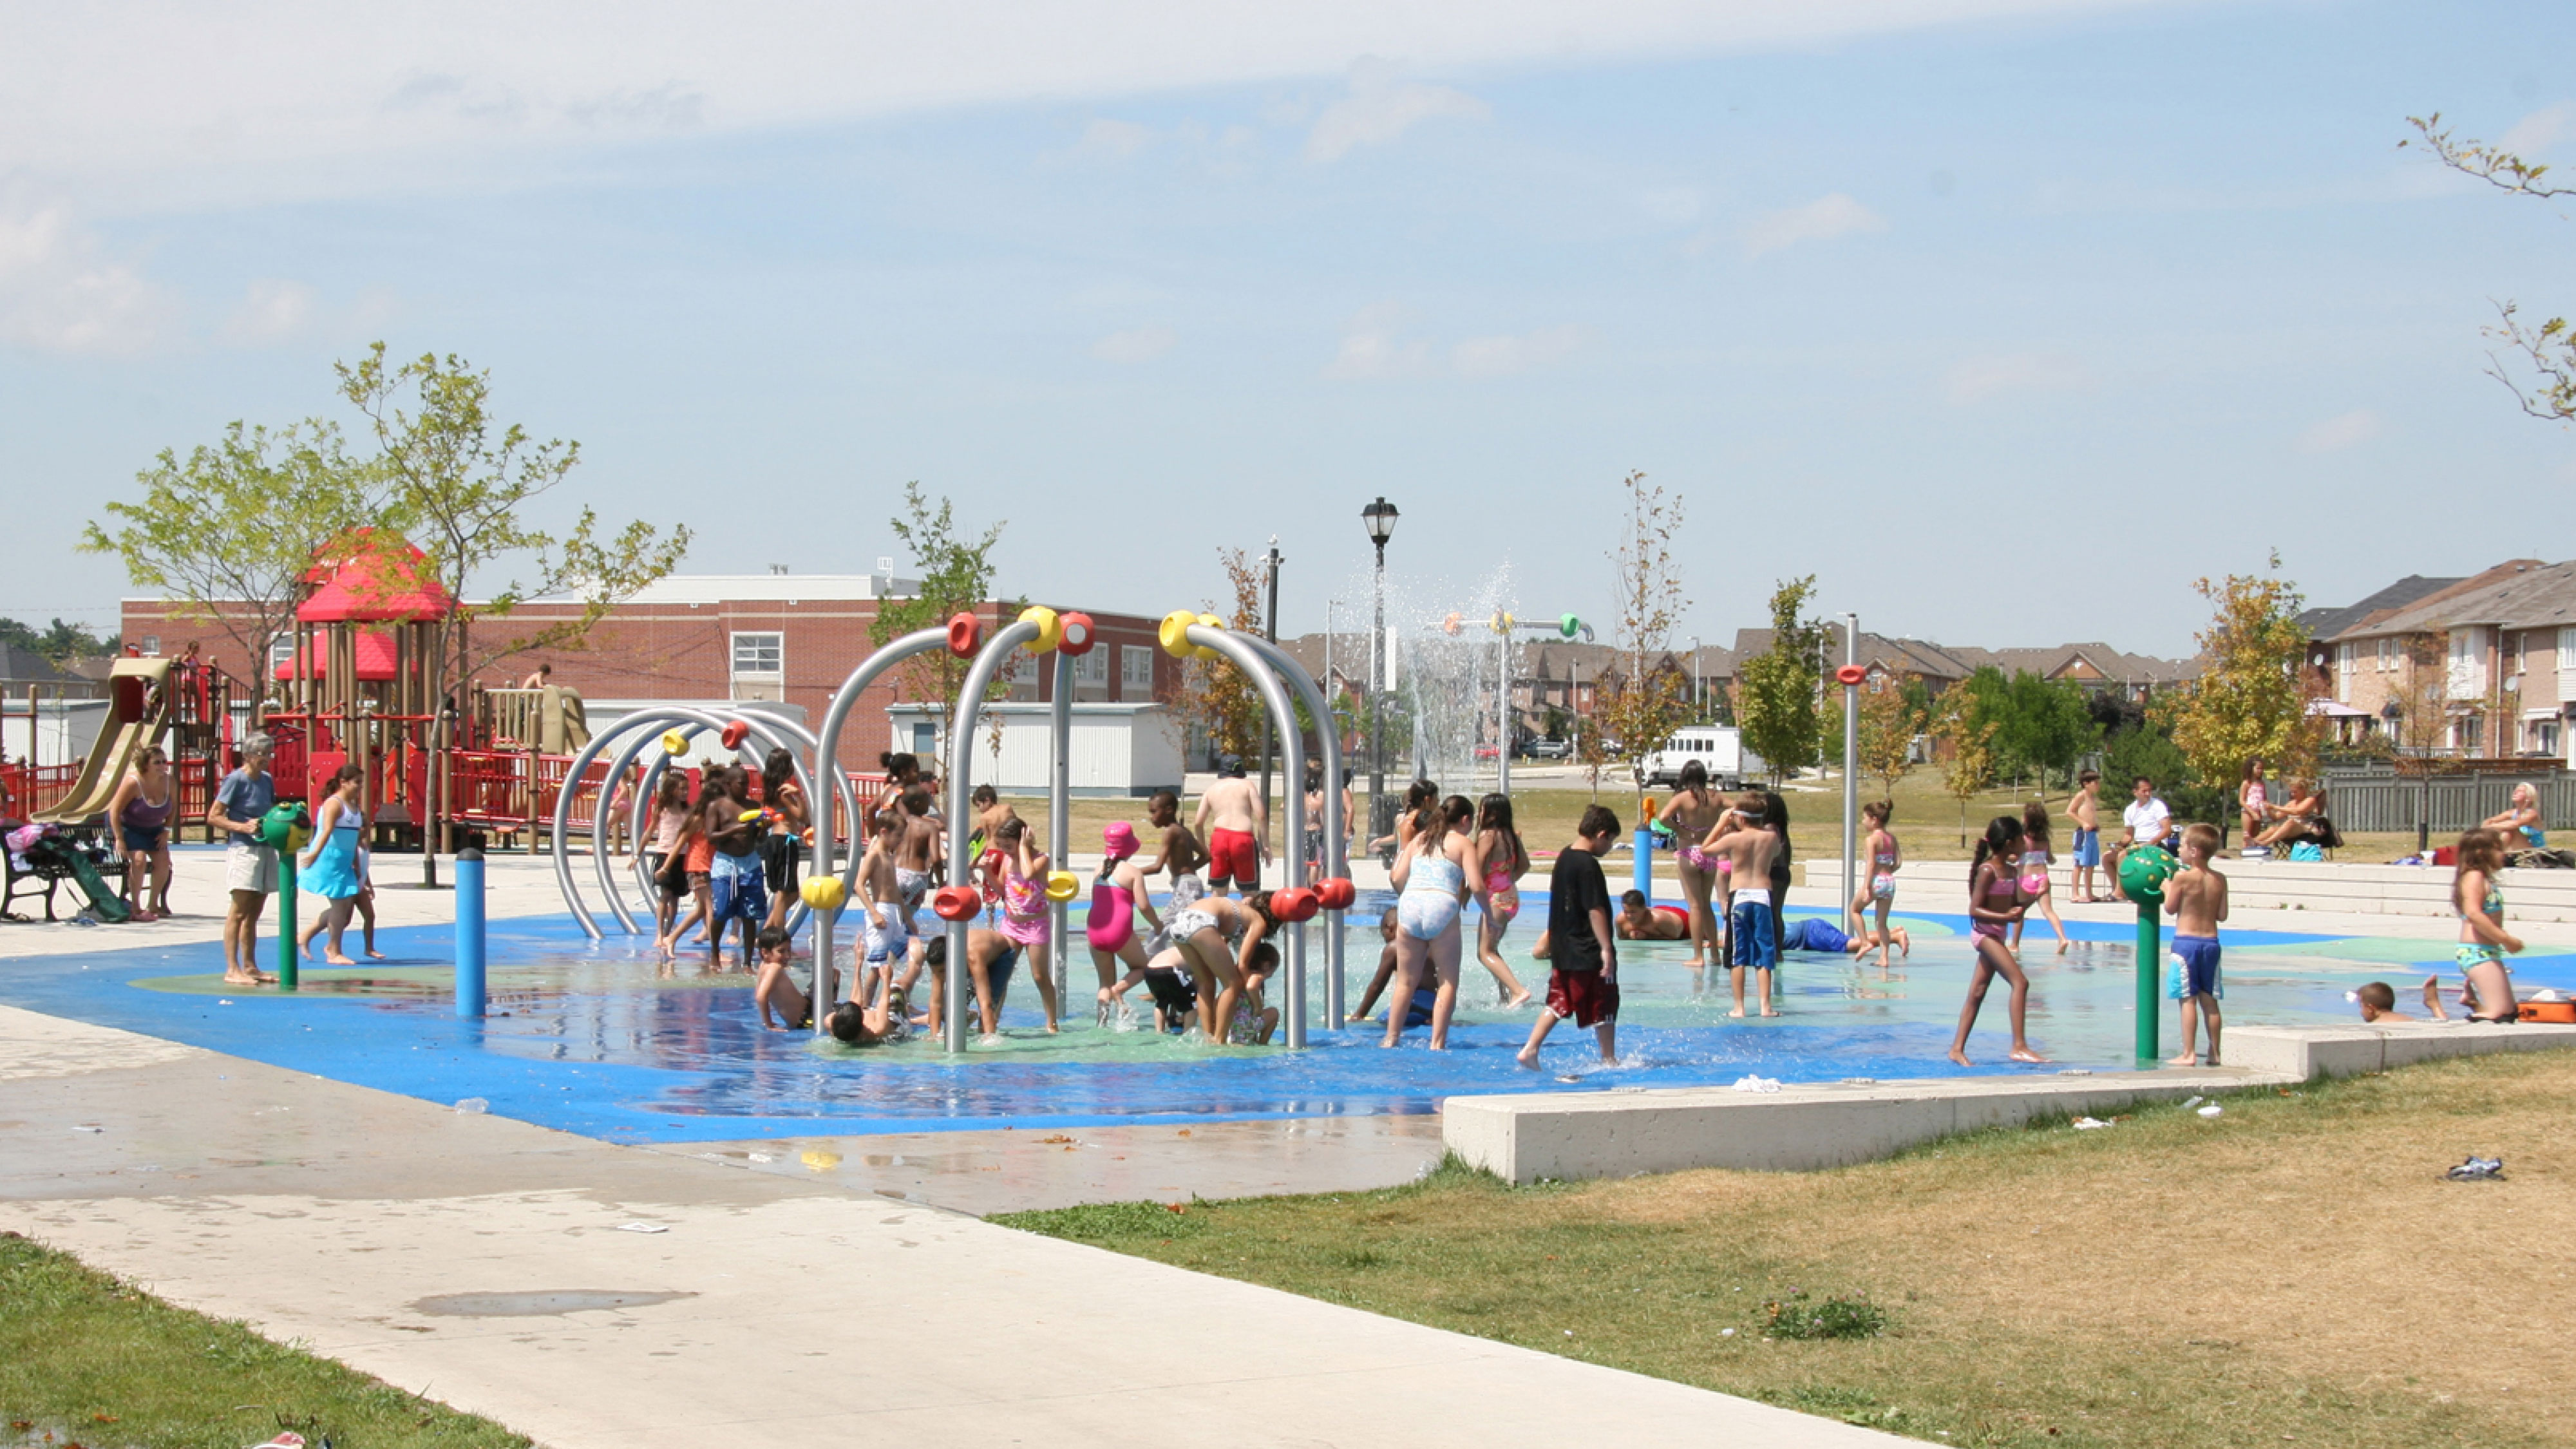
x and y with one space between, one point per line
2085 810
2197 900
1750 846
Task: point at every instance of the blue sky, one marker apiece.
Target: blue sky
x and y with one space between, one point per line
2007 320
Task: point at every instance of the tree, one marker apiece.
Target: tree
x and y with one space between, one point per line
1971 766
2045 725
1214 697
58 641
1888 725
2248 701
2542 376
1776 704
956 577
1650 697
458 481
228 532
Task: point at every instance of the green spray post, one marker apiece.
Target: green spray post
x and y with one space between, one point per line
286 829
2143 873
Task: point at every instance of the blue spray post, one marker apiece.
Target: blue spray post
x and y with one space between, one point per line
469 933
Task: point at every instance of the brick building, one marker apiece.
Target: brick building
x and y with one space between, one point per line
786 637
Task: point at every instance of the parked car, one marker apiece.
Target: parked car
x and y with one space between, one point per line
1718 748
1551 749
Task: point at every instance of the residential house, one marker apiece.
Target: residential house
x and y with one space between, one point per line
2485 666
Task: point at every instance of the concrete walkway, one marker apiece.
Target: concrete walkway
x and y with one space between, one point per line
761 1308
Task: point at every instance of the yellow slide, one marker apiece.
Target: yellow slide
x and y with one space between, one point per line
138 714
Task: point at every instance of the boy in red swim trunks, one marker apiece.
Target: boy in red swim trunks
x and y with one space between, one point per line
1235 821
1583 986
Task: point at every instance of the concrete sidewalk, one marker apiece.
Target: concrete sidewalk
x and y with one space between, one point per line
760 1309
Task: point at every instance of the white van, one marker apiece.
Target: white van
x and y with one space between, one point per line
1718 748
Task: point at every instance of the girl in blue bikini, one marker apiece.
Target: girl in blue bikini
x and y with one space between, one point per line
2484 942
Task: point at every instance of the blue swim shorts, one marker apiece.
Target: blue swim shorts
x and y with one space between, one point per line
1755 945
737 895
2194 969
2088 848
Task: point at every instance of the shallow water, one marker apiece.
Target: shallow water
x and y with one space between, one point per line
602 1038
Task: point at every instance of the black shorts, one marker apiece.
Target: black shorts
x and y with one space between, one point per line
779 855
1171 992
670 875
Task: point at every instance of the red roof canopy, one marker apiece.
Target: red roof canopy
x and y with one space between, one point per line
375 659
378 577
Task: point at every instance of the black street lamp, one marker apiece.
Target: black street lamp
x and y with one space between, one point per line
1379 517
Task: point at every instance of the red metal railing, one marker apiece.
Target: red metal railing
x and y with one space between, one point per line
32 789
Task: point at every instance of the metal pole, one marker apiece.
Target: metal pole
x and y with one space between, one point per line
1270 631
1503 711
469 933
1060 807
1247 656
827 764
1381 818
961 736
1337 861
1851 762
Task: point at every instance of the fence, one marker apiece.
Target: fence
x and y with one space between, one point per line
2385 801
29 790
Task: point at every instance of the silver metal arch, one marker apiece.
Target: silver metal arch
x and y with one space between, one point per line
970 704
827 760
1293 746
1336 829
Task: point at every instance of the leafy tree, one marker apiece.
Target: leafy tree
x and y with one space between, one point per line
956 577
1214 697
228 531
2043 725
1649 697
2545 354
58 641
459 481
2248 701
1970 736
1776 689
1888 725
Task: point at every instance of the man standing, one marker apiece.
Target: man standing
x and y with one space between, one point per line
1235 822
2146 821
250 868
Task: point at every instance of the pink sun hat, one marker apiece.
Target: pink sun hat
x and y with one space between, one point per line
1120 837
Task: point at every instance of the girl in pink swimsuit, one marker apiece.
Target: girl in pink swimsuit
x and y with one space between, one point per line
1026 920
1506 861
2036 857
1995 903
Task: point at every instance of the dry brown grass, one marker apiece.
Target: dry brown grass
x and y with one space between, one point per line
2298 1270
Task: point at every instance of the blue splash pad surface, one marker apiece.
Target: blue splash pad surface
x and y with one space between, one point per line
599 1040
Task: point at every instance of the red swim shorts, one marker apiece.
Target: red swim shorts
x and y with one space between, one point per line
1582 997
1233 855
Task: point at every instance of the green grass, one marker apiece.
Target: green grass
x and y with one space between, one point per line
93 1361
2174 1282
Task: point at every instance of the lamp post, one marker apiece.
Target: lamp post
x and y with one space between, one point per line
1379 518
1699 700
1270 631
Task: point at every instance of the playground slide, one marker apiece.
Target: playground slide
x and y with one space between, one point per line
128 729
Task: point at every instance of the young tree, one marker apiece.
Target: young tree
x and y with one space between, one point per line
459 481
1650 695
2545 353
228 531
1888 725
956 577
1213 696
2046 725
2248 701
1776 704
1971 766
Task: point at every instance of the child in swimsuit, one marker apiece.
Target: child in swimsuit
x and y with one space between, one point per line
2036 857
1884 861
2487 990
1505 858
1026 920
1994 903
1433 882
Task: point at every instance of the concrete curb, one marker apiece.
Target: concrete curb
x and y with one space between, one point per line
1807 1126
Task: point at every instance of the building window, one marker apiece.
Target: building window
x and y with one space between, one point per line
760 656
1136 671
2387 652
1091 669
281 653
151 646
2343 668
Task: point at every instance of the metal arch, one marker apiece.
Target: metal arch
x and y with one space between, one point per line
827 760
581 763
770 729
1336 829
970 704
1266 681
652 780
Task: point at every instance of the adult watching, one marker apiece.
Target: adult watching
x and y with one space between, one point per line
2148 820
250 868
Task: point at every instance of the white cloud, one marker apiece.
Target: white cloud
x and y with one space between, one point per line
1371 349
300 97
1136 344
59 293
1110 140
273 311
1973 380
1822 219
2533 135
1380 108
1503 356
2336 434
